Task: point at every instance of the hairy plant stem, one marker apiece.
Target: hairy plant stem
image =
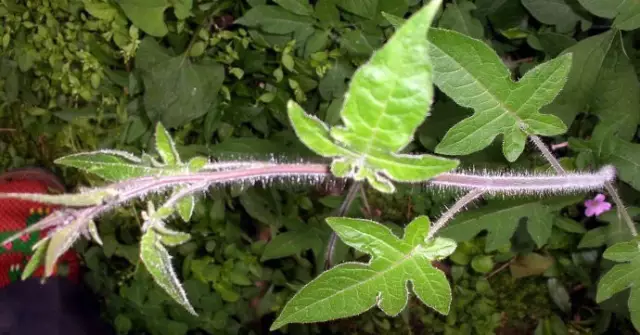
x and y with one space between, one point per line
342 211
459 205
243 172
608 185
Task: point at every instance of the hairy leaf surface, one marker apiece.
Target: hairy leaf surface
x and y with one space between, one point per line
473 75
388 99
353 288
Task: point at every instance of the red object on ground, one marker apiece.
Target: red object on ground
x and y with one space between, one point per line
16 215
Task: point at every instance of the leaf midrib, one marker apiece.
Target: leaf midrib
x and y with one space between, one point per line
504 107
401 261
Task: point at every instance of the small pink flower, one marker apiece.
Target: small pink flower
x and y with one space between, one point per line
8 245
25 237
596 206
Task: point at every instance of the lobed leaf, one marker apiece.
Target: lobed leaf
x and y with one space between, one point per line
472 74
353 288
388 99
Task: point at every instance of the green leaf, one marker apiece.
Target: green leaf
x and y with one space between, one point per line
112 165
553 12
60 241
389 95
35 261
615 98
625 12
622 252
357 43
148 15
588 56
333 84
353 288
625 156
501 218
290 243
327 12
275 20
300 7
158 262
365 8
165 146
457 16
395 21
312 132
176 90
501 106
593 238
623 276
174 239
386 102
185 207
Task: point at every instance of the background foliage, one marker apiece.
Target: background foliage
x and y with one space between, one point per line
82 75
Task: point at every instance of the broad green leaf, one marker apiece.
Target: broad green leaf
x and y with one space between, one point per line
388 96
387 100
275 20
588 56
593 238
473 75
625 12
364 8
625 156
112 166
290 243
300 7
165 146
623 251
158 262
333 84
623 276
327 12
357 43
457 16
501 218
176 90
353 288
616 97
554 44
553 12
148 15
